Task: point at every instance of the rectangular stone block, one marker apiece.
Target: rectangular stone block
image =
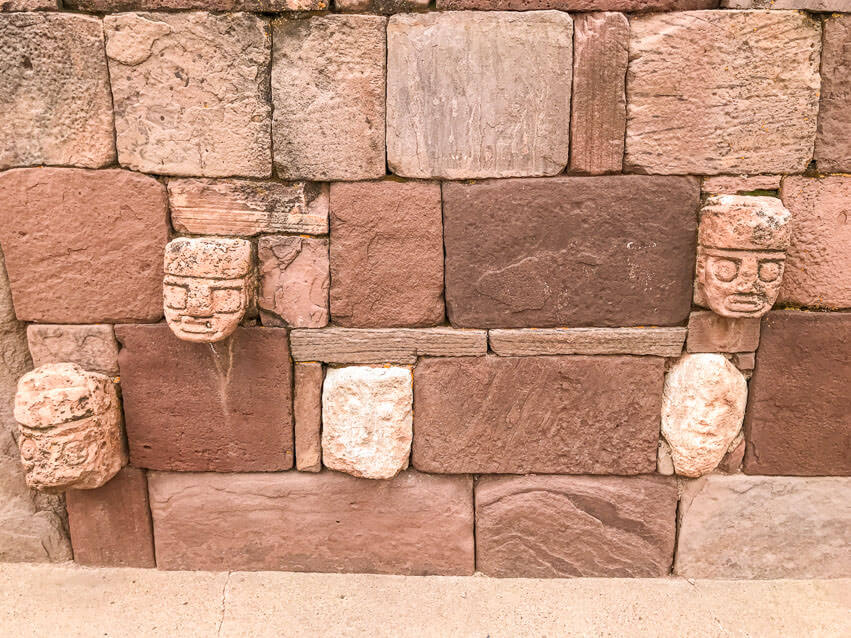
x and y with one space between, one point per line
92 347
765 527
516 415
833 140
562 526
307 410
798 420
111 525
246 207
381 6
328 93
257 6
414 524
221 407
29 5
562 251
661 342
708 332
807 5
722 92
478 94
579 5
739 184
294 281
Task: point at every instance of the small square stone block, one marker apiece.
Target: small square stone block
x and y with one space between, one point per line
294 281
708 332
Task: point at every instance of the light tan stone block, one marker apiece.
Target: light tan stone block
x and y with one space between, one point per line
92 347
294 281
662 342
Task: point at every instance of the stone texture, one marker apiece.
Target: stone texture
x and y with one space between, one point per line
224 407
739 184
367 420
722 92
661 342
326 522
745 361
561 251
307 411
598 108
247 207
257 6
818 261
664 462
799 413
294 281
565 415
328 93
833 140
381 6
92 347
29 5
703 404
191 92
559 526
83 246
54 91
732 461
765 527
708 332
460 102
579 5
386 254
808 5
111 526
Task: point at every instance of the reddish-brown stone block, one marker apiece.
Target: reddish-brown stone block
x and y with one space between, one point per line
798 420
708 332
257 6
578 5
222 407
294 281
562 251
514 415
386 254
83 246
307 410
380 6
327 522
111 525
833 140
92 347
557 526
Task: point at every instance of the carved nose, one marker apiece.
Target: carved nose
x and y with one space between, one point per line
747 275
199 300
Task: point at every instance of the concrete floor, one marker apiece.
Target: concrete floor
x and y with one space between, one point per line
65 600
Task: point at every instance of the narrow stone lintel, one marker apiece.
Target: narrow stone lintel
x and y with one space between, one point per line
662 342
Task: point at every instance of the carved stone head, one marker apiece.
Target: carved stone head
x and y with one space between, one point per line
741 252
70 425
207 286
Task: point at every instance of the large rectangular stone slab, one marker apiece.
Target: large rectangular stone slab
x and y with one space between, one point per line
661 342
328 522
833 141
808 5
580 5
516 415
565 252
714 92
478 94
257 6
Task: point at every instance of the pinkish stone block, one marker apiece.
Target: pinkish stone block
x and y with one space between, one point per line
708 332
833 142
257 6
92 347
307 412
739 184
294 281
578 5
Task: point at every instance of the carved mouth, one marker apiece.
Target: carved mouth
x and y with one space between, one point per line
196 325
744 302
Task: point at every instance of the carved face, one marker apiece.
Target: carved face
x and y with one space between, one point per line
203 309
739 283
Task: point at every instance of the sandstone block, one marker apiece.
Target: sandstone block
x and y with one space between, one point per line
92 347
579 5
808 5
661 342
366 420
381 6
29 5
765 527
307 411
294 281
326 522
664 462
222 407
560 526
732 461
386 254
708 332
833 140
111 526
54 91
15 359
739 184
799 413
83 246
745 361
328 92
257 6
191 92
561 252
702 103
489 415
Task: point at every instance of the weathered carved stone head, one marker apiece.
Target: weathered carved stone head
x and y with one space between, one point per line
70 425
741 251
207 286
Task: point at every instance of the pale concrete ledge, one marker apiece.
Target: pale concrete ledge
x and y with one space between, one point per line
662 342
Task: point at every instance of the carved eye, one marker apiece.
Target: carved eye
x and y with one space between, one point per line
75 452
28 450
175 296
227 300
769 270
724 269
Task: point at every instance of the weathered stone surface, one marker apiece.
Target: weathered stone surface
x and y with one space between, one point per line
705 103
598 107
809 5
566 415
381 6
29 5
83 246
111 526
459 97
664 462
191 92
15 359
92 347
818 260
745 361
703 404
765 527
833 140
257 6
708 332
247 207
223 407
799 413
328 93
386 254
662 342
561 251
559 526
732 461
326 522
739 184
579 5
294 281
366 420
307 410
54 91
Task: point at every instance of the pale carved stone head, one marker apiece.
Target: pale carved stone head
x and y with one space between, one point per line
741 253
70 425
207 286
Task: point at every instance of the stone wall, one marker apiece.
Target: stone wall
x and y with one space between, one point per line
473 335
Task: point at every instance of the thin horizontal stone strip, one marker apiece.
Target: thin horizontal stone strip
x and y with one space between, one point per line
385 345
662 342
